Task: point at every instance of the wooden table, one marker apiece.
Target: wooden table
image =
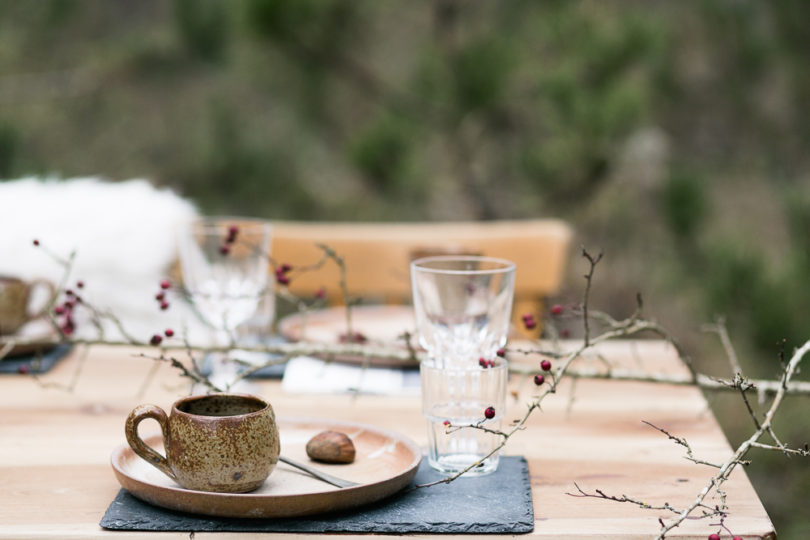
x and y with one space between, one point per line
56 480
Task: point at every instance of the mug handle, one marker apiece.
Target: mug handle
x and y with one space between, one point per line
142 412
51 294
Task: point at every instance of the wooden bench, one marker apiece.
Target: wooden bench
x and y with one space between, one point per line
377 255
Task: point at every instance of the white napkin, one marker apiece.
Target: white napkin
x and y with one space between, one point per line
307 375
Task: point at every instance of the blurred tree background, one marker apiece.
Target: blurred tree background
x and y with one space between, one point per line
675 136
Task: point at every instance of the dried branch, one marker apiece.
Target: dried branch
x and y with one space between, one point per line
803 452
727 467
719 328
737 458
192 374
763 386
599 494
681 441
592 261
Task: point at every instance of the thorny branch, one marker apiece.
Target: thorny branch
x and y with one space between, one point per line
719 327
731 463
599 494
593 261
681 441
633 325
534 405
780 390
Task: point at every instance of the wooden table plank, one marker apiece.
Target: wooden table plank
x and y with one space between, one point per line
57 482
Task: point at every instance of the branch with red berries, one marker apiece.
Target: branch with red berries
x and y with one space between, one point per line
634 324
546 378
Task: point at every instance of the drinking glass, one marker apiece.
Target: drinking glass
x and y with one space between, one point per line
455 402
462 306
225 263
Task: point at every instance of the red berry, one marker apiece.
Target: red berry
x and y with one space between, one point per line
484 363
160 296
80 284
530 324
714 536
320 293
545 365
169 332
23 369
501 352
281 278
164 305
233 230
156 339
224 249
489 413
165 284
446 422
556 309
285 268
59 310
36 242
737 538
539 379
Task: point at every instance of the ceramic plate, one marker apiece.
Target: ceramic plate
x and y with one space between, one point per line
380 325
37 329
385 463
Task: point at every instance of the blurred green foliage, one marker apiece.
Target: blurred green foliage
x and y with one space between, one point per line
9 140
381 153
685 204
203 27
673 135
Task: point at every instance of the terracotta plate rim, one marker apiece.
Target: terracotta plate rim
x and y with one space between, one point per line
289 324
269 505
24 349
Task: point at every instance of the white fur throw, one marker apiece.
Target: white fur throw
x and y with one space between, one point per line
123 234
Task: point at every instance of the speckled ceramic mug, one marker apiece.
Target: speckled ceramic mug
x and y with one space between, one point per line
226 443
15 302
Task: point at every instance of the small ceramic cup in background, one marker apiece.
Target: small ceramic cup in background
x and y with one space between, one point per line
227 443
16 297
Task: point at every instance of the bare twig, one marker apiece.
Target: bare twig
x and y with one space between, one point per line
719 327
727 467
599 494
193 374
592 261
681 441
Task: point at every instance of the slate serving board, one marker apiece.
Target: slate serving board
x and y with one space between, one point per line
500 503
34 363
